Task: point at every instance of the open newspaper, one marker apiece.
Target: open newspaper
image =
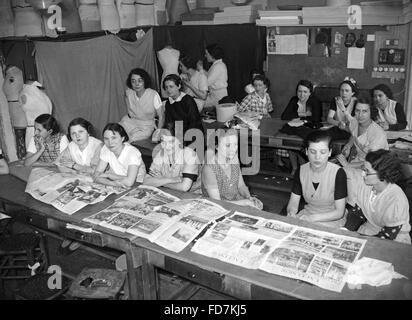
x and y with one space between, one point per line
318 257
67 192
150 213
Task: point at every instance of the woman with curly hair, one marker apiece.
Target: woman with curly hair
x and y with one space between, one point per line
381 207
391 115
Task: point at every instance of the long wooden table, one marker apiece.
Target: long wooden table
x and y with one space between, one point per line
144 257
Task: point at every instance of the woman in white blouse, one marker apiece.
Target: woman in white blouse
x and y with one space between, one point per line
216 76
120 163
83 152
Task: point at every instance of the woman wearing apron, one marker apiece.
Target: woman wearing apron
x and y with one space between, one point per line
143 104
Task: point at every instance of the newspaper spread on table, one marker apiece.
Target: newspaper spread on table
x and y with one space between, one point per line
317 257
160 217
67 192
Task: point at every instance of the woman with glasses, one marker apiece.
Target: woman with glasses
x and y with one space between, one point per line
367 135
322 185
380 207
174 166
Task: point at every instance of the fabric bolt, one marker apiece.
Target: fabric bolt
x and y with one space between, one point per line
119 165
90 17
254 102
98 94
217 78
56 144
109 16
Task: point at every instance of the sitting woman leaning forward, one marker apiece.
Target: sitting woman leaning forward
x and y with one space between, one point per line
83 152
221 175
120 163
174 166
321 183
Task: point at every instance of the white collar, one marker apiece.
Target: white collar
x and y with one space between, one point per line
179 98
216 61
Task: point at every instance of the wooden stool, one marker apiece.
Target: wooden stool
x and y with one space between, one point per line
18 252
97 284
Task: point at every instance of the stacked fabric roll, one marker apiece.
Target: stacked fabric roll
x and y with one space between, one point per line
110 19
127 13
6 20
145 12
27 22
71 18
89 15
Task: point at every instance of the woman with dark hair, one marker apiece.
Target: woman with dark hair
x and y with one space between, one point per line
195 83
345 101
174 166
216 76
143 104
180 107
47 143
125 161
390 113
83 151
304 104
367 135
322 184
259 100
221 175
380 207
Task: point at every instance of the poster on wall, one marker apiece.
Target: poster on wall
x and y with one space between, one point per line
286 44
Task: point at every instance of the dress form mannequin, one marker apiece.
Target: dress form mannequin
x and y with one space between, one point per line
27 22
145 13
12 86
6 20
169 60
34 102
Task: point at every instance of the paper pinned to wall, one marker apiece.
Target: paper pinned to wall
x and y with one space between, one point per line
356 58
288 44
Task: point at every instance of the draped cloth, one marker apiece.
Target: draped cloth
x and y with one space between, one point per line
87 78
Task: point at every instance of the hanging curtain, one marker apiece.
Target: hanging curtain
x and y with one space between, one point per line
88 78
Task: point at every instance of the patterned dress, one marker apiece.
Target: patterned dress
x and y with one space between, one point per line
228 187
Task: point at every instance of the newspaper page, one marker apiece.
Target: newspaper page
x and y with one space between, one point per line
320 258
67 192
133 207
197 214
242 239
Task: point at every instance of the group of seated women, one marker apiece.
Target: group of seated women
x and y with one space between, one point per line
365 199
